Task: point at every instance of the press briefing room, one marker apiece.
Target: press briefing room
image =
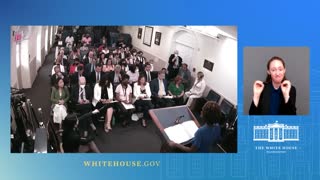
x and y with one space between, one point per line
123 89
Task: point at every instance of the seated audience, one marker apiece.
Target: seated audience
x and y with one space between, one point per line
59 98
74 67
176 89
147 72
58 74
116 76
159 89
102 59
142 93
74 78
86 39
139 66
89 58
141 58
96 75
108 67
124 96
103 96
197 89
58 63
69 40
133 74
185 73
89 68
81 96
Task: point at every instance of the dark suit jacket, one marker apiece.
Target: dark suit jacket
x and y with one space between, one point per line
172 63
75 94
263 108
93 77
87 70
53 79
111 75
154 86
153 75
74 78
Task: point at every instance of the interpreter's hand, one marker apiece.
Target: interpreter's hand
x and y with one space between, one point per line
285 88
257 88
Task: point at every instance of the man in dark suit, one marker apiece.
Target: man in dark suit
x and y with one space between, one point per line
175 62
81 96
141 58
139 65
116 76
89 58
159 89
57 74
74 78
89 68
96 75
147 73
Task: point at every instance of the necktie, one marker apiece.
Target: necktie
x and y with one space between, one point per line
148 76
91 68
81 94
161 88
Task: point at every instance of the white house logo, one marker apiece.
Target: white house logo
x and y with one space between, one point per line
276 133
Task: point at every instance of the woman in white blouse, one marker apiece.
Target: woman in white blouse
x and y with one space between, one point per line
133 74
197 89
103 96
142 93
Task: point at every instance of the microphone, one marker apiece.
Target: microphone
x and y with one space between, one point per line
177 121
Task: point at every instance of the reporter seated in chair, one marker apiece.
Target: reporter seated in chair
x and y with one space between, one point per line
74 78
142 93
124 95
59 98
176 89
197 89
103 95
81 96
159 89
58 74
207 135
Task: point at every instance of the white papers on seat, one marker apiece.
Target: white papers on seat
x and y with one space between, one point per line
127 106
168 97
181 132
147 99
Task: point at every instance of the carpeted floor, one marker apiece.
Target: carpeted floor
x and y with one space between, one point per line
133 138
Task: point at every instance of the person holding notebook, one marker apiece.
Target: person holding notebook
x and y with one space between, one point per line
207 135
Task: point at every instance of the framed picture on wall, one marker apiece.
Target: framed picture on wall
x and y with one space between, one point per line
208 65
139 33
157 38
147 38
